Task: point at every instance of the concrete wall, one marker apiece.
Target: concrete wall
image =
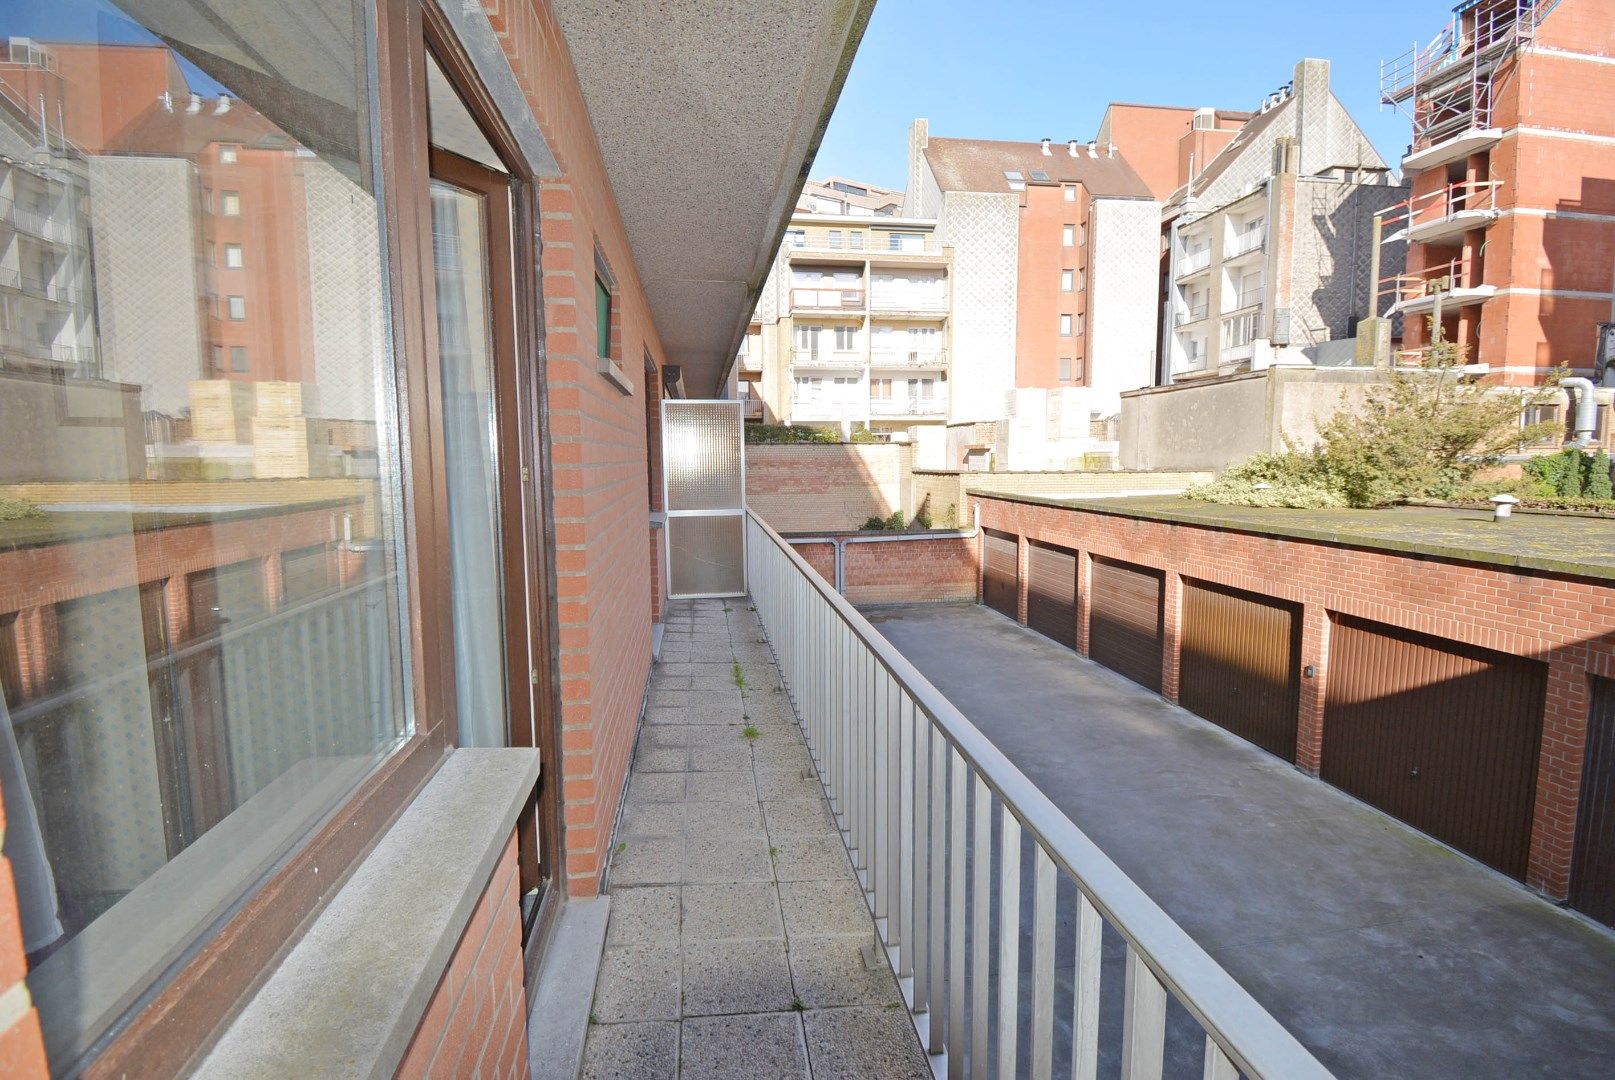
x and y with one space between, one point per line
1567 621
820 488
1210 424
1123 287
936 492
983 228
108 442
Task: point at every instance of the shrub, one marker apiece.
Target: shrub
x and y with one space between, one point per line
873 524
1599 483
18 509
1570 474
922 520
784 434
1291 480
884 524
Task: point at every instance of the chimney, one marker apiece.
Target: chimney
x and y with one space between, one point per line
1313 116
195 106
1093 150
167 100
1046 151
1071 147
222 106
919 137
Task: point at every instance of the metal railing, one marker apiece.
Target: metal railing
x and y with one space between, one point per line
913 785
1241 328
1446 203
43 225
1245 241
1192 315
1456 275
1194 262
827 358
905 300
909 358
905 406
829 299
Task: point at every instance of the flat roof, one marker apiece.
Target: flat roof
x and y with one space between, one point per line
1583 546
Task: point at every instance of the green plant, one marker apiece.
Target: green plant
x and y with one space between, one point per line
1600 485
798 1005
739 676
1570 474
18 509
750 733
1288 480
763 434
894 523
864 435
773 852
622 846
922 520
593 1017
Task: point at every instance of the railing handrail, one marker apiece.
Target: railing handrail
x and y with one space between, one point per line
1257 1044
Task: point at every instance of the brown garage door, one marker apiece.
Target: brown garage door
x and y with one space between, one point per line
1442 735
1051 592
1124 614
1592 874
1240 665
1000 585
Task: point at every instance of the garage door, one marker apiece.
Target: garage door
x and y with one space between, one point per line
1441 735
1051 592
1240 664
1124 614
1000 585
1592 874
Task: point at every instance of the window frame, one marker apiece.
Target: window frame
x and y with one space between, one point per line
228 197
1068 235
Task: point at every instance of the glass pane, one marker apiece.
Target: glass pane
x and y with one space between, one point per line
460 252
199 597
706 555
701 441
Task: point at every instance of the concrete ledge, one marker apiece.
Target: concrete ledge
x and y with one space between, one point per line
559 1022
348 997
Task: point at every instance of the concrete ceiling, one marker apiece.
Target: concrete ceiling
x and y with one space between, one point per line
709 113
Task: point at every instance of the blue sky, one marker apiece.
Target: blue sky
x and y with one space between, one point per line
1026 69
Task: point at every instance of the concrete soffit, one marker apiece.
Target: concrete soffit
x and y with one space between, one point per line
708 116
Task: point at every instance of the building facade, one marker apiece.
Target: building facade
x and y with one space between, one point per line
853 325
1269 239
1511 215
331 555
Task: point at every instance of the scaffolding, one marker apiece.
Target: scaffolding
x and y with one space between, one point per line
1449 85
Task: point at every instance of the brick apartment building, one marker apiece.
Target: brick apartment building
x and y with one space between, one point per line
1511 211
326 618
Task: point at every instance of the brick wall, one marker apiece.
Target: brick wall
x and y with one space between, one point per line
1564 621
910 571
476 1024
597 436
22 1049
824 488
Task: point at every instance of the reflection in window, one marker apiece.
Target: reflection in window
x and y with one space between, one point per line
217 660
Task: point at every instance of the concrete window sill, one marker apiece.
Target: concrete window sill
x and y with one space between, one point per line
348 997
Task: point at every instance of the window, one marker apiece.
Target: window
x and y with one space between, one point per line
184 727
1080 330
1082 278
846 338
796 238
1082 233
1040 176
1068 236
1065 369
835 238
602 318
880 389
1016 181
1069 191
227 155
232 256
1065 326
1077 372
1067 280
857 240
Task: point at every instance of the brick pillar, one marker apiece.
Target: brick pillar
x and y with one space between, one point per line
1171 637
1084 581
1022 560
274 577
1314 652
1559 761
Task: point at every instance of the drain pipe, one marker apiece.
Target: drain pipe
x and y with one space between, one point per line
1586 410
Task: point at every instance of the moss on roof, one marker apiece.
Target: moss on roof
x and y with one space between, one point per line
1553 543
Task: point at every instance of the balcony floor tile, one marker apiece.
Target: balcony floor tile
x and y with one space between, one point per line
631 1052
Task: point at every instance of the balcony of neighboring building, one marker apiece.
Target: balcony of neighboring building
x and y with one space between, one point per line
1240 329
909 359
1448 212
916 294
828 358
1246 241
39 224
1458 282
902 407
1192 263
828 298
1453 146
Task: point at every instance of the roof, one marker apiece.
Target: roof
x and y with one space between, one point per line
1552 543
1248 134
980 164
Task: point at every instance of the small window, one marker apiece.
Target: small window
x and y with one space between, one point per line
1017 182
1065 326
237 306
856 240
1070 192
1065 369
1068 236
1040 176
230 203
796 238
1077 372
218 359
232 256
602 318
227 155
1082 278
1067 280
238 358
835 238
1082 233
1080 330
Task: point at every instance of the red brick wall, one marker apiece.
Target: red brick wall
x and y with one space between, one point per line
597 442
22 1049
900 572
476 1024
1566 622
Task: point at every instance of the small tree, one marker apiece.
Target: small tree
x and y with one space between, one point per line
1424 432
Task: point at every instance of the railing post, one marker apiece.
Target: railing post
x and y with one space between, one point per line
1009 941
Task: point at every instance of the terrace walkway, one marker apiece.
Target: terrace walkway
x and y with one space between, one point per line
735 942
1384 952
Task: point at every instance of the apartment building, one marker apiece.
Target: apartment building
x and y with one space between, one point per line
1055 258
1167 144
1511 215
838 195
299 772
1269 238
852 328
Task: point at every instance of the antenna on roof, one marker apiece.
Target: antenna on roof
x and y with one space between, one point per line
1046 150
1110 149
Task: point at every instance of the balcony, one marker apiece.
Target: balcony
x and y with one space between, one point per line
1191 314
1245 242
850 301
1195 262
906 407
42 226
910 305
1449 212
36 288
922 359
832 412
1472 140
1455 281
827 358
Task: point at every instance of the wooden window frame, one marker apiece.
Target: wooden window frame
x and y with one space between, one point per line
187 1009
